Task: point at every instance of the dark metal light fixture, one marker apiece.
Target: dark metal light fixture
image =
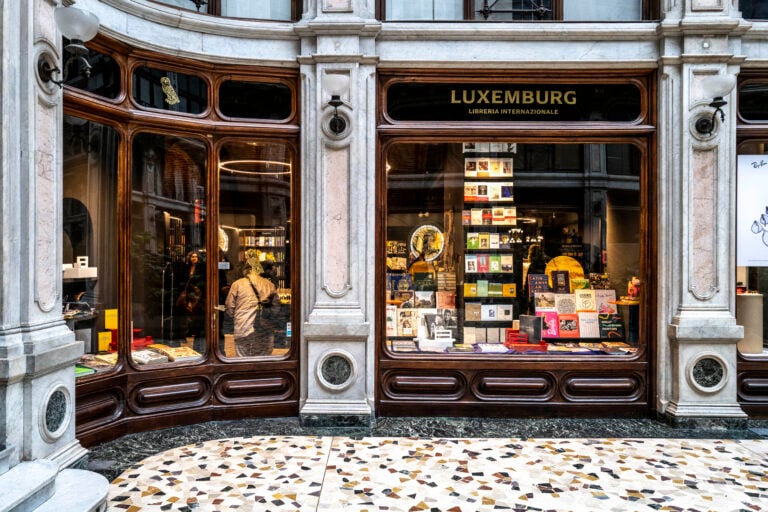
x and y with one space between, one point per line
78 26
716 87
336 84
198 3
337 124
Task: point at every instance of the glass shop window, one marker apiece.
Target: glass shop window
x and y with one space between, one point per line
513 248
169 90
168 251
89 283
102 78
256 9
515 10
254 260
752 247
754 9
255 100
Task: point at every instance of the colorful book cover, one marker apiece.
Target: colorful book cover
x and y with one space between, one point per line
579 282
470 192
470 289
561 282
538 283
551 327
494 192
482 287
510 216
532 326
565 303
473 240
488 312
466 217
568 325
589 325
484 240
407 322
445 299
494 241
507 263
506 167
483 168
494 263
505 312
495 168
470 263
470 167
544 301
487 216
482 191
428 322
424 299
506 192
472 311
611 327
482 263
495 289
606 302
476 216
497 218
391 320
585 299
509 290
405 297
401 282
424 281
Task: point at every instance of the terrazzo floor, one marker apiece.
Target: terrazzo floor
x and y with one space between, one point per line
335 473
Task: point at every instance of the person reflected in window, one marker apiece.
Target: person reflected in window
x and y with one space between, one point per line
191 301
242 304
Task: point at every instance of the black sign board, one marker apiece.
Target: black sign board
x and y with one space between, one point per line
419 101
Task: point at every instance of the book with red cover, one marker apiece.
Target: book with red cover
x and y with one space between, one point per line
568 325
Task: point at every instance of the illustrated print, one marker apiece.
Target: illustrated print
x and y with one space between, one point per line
761 226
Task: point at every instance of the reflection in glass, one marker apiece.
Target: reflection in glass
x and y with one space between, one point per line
104 78
168 256
255 100
529 233
261 9
752 281
254 248
90 239
169 90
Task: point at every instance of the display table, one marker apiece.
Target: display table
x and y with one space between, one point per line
749 313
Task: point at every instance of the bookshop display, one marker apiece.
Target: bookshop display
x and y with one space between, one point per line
492 254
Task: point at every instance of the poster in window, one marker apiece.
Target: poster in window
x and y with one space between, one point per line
752 211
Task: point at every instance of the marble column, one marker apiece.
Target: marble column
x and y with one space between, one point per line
338 226
698 333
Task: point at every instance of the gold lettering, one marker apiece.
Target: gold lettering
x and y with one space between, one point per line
570 97
453 96
482 96
468 99
556 97
512 97
496 98
527 97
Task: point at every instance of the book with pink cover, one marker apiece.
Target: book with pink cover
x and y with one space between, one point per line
551 328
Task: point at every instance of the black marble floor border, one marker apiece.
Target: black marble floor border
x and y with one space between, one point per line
114 457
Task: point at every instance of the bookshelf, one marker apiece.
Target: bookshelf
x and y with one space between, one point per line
271 243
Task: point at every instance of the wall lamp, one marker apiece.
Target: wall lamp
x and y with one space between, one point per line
78 26
336 84
715 87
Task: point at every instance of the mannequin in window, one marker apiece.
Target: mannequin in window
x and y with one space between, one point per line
242 305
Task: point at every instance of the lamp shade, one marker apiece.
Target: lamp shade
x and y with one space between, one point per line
335 84
76 24
717 86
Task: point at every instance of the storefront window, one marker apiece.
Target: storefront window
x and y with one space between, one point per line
90 240
754 9
515 10
103 77
255 100
169 90
258 9
168 255
752 247
513 248
254 266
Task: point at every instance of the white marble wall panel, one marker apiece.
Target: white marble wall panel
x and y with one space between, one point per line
188 34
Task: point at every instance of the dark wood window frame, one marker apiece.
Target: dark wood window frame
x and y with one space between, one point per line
485 384
215 387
